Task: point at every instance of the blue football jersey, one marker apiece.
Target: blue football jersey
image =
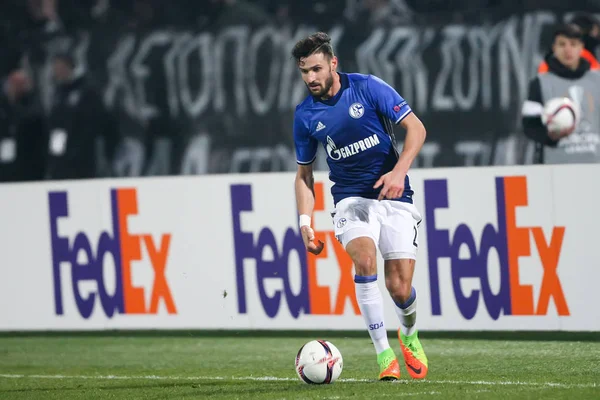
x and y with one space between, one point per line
356 129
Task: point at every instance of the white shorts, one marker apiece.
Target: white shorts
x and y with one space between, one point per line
393 225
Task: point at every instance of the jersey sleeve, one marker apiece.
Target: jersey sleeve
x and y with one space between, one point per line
306 146
387 101
531 111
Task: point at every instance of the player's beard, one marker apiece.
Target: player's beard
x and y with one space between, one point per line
325 88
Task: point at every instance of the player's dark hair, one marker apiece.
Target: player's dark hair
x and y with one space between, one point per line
585 22
319 42
571 31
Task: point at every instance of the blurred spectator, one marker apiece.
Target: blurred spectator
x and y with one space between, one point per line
79 123
590 26
145 14
590 29
44 15
22 131
568 74
321 14
26 25
387 13
236 12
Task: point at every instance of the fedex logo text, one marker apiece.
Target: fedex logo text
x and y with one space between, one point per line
312 298
123 247
510 242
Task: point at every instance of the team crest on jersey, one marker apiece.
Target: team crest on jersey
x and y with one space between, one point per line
356 110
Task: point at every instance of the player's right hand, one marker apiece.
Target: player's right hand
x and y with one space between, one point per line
556 135
308 235
559 134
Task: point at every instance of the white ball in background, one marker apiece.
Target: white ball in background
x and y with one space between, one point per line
561 113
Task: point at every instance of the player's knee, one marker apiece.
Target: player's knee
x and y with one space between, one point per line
365 264
399 290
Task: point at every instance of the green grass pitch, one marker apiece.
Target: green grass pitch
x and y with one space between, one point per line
246 366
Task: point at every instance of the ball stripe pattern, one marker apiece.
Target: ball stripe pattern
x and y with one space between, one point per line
565 106
301 369
330 361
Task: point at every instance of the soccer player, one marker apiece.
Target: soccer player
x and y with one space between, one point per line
351 115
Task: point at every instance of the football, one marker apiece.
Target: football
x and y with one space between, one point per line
560 113
319 362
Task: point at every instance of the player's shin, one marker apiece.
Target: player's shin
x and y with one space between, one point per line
414 356
370 302
407 312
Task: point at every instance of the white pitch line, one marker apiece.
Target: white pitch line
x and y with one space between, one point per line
512 383
400 394
278 379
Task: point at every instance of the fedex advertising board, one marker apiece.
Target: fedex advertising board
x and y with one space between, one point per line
124 248
108 254
500 249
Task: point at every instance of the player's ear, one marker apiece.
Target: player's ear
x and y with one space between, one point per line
334 63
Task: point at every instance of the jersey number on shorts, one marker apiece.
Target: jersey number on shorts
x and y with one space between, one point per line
415 238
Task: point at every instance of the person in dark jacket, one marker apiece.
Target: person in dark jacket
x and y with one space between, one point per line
78 122
22 130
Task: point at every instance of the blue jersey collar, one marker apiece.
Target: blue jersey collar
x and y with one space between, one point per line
345 84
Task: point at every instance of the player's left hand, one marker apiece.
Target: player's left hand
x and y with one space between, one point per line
393 185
